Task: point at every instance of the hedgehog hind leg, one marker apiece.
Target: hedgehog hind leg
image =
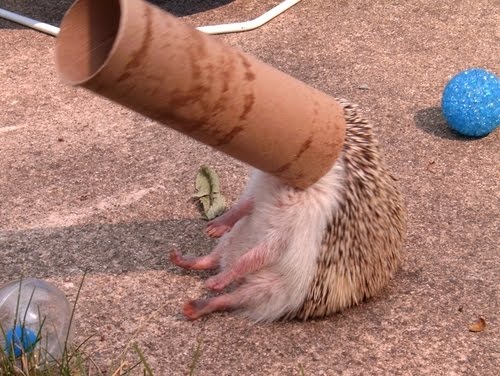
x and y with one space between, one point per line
194 309
220 225
263 297
250 262
207 262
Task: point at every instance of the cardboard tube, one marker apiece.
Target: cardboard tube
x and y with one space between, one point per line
142 57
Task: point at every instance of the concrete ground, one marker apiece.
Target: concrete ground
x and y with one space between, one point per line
88 185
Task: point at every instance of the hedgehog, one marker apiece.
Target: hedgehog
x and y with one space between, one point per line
288 253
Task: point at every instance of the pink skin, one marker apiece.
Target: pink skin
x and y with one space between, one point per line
252 261
207 262
215 228
194 309
220 225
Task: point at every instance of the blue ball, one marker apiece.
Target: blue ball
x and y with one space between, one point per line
471 102
20 339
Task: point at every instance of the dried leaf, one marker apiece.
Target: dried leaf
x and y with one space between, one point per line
205 203
478 326
203 182
217 206
208 193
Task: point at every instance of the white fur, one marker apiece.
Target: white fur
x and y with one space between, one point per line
291 223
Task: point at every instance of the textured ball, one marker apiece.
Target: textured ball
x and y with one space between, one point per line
20 340
471 102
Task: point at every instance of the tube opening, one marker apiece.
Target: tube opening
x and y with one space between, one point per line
86 37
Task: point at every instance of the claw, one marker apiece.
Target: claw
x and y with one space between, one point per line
215 230
192 309
210 261
176 257
214 284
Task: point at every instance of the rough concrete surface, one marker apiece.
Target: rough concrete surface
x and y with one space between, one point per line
88 185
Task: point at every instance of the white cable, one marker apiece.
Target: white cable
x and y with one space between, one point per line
213 29
249 25
29 22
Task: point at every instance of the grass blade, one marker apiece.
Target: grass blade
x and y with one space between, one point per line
147 369
196 357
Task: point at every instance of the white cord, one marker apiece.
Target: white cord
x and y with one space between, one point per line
29 22
213 29
252 24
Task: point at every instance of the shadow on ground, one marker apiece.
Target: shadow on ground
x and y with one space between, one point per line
99 248
52 12
431 120
188 7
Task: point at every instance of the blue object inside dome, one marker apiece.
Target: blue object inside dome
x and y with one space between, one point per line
20 339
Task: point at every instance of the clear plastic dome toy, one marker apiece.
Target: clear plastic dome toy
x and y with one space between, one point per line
34 316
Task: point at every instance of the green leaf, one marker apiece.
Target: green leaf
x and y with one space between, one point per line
208 193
